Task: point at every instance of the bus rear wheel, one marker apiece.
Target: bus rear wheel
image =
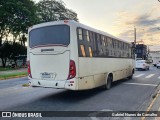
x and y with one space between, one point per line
131 76
108 82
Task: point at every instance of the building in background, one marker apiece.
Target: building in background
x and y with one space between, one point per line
141 52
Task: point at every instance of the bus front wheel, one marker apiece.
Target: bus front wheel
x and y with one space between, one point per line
108 82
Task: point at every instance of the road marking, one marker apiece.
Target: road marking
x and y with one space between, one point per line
149 76
139 75
141 84
159 77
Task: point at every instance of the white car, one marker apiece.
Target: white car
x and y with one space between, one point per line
142 65
158 65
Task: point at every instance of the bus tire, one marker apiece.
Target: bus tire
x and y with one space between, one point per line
109 82
130 77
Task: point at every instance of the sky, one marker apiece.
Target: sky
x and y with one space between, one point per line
119 17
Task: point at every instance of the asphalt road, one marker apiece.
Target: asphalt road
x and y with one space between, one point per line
125 95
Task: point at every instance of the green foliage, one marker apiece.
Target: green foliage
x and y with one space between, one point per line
52 10
23 16
17 49
25 85
17 15
13 75
5 49
10 50
15 18
5 52
7 69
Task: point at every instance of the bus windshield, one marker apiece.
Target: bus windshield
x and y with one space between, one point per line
49 35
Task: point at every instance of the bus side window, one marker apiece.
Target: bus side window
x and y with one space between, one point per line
107 52
103 40
94 44
80 34
106 42
112 43
101 48
91 36
83 50
86 35
90 52
115 43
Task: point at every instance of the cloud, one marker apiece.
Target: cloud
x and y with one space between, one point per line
143 20
146 25
153 30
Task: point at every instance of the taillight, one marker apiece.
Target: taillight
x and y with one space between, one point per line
29 69
72 70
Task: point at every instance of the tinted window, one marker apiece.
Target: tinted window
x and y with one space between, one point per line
83 50
90 52
80 34
86 35
57 34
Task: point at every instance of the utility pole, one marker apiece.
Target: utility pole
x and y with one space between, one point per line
135 39
135 36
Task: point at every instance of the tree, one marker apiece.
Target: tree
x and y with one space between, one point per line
23 40
15 18
4 19
70 14
24 16
52 10
17 49
5 52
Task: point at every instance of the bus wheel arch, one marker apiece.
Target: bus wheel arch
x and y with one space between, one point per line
133 71
131 76
109 80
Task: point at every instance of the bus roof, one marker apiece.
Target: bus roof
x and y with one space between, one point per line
69 22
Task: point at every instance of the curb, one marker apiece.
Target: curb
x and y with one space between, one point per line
154 105
158 118
158 97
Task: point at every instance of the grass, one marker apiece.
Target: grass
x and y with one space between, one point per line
13 75
25 85
7 68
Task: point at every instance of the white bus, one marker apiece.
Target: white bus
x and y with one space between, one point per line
69 55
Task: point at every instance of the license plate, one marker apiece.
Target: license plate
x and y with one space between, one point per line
46 75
